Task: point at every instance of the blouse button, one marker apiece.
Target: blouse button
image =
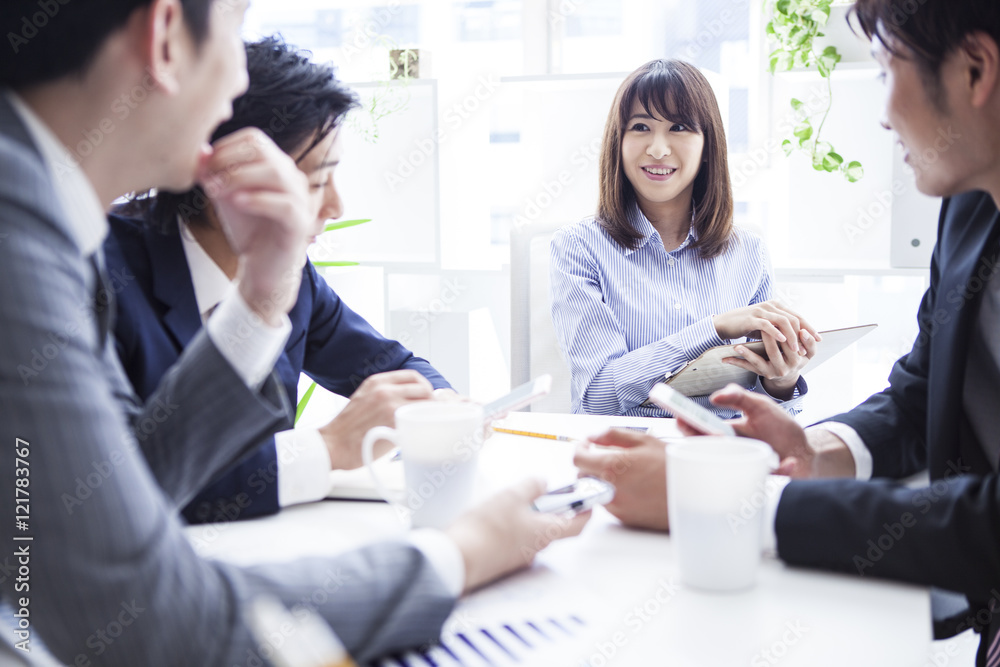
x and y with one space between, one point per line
677 306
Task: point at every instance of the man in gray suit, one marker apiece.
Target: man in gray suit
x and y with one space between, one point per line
94 103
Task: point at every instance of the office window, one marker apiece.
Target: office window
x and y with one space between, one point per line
561 61
589 18
488 20
739 120
355 35
507 130
617 37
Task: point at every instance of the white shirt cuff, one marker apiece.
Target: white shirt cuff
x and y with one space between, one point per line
862 457
249 345
772 497
303 466
444 556
801 389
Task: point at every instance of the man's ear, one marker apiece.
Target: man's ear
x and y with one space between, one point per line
167 41
982 62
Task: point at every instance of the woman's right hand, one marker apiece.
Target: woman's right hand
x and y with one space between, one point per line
769 316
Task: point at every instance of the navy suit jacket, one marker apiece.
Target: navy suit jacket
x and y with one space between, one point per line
947 535
158 316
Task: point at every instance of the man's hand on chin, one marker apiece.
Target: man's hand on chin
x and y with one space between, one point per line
262 201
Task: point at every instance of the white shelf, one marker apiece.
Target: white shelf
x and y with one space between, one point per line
836 270
845 71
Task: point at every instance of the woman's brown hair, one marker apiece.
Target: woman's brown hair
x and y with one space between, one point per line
674 90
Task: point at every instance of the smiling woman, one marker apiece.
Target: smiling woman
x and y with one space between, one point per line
663 107
660 274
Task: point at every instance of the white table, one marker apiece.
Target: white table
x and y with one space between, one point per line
622 582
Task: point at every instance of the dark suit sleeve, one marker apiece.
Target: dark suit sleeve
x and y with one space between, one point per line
944 535
189 442
342 349
893 423
246 490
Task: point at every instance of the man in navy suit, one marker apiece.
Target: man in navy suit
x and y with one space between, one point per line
176 264
941 412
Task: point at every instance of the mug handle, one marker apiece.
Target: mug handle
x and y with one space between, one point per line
367 450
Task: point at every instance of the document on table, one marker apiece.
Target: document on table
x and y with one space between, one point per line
358 484
540 640
534 619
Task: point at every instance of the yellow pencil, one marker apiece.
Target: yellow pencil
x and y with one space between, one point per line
531 434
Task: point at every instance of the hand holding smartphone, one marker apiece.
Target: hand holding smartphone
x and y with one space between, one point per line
580 496
680 405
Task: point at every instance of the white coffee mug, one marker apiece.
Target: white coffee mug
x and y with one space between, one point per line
439 444
716 486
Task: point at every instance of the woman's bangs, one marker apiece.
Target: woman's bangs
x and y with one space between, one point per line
662 93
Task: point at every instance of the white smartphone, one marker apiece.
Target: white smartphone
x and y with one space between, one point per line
518 398
580 496
681 406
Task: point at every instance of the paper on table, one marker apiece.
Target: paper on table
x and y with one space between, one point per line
357 484
536 618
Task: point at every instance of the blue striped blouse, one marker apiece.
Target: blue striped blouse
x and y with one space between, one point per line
624 318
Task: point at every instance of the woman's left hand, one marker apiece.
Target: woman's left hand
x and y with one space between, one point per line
780 370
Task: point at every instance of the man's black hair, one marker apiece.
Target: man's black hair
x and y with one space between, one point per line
927 30
46 40
293 100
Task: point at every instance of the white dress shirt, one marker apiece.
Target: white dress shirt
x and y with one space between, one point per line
87 221
250 346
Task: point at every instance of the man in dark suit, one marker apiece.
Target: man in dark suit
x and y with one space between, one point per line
158 316
177 263
941 412
95 104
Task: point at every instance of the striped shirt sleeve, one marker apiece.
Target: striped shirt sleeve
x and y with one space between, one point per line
624 318
609 377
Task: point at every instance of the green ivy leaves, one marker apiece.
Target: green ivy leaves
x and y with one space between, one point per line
854 172
793 26
821 153
827 61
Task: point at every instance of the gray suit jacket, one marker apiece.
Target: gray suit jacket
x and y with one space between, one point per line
113 580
